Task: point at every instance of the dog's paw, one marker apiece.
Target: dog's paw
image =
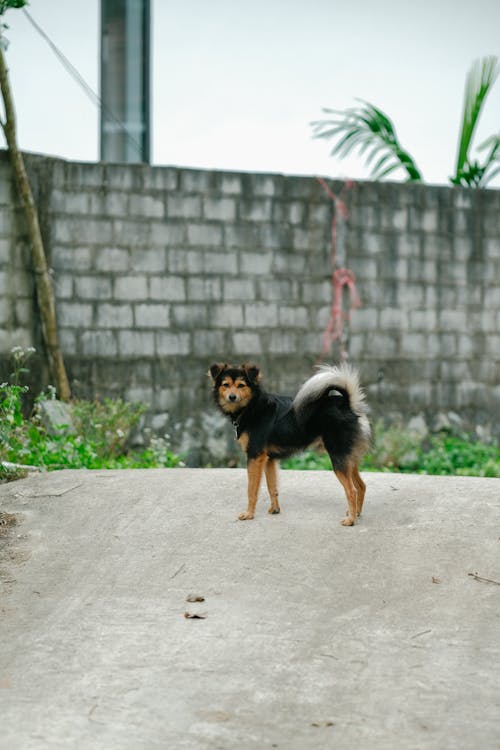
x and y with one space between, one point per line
273 510
347 521
246 516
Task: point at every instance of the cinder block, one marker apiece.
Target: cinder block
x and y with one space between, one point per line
492 248
110 204
93 287
293 317
208 343
230 184
99 343
68 340
168 288
453 320
185 261
184 206
246 343
219 209
365 319
194 180
190 316
114 316
136 343
270 290
24 312
75 258
204 235
423 320
295 212
258 264
69 202
160 178
205 289
172 344
74 314
222 262
148 261
152 316
261 315
5 311
71 231
283 342
238 289
146 206
255 209
131 287
393 318
6 221
112 259
168 233
227 315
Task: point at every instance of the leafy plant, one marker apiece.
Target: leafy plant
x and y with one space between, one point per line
479 81
397 450
98 439
370 130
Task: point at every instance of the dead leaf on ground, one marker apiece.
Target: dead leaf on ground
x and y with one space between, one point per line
195 615
195 598
322 723
435 579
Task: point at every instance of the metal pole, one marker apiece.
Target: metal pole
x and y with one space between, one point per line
125 81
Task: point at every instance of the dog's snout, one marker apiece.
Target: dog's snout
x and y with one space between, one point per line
232 397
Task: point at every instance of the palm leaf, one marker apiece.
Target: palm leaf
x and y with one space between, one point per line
369 130
478 83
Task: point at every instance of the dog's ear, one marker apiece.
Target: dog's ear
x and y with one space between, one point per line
215 370
252 372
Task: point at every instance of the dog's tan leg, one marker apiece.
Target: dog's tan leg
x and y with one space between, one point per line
272 485
351 493
254 470
361 488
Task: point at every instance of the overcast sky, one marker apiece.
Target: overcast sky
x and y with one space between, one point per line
236 84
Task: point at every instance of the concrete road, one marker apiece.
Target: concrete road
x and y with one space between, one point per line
374 637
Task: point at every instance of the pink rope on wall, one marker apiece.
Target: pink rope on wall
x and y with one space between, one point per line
342 278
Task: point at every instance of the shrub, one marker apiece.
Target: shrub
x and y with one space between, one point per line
395 449
98 438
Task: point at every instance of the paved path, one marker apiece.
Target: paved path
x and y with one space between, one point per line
317 636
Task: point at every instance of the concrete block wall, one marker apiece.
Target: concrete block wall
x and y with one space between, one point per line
159 271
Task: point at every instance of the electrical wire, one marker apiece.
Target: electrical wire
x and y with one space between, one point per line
88 90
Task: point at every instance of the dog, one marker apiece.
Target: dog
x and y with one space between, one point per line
329 407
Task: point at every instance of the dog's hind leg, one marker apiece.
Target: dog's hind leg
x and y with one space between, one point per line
346 479
255 468
271 470
361 488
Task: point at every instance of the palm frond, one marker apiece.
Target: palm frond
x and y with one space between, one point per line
478 83
369 130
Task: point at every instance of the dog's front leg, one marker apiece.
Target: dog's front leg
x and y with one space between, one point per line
255 468
272 485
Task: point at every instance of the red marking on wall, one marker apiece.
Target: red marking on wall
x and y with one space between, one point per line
342 278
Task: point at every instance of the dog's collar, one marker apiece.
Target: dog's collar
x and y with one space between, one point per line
236 423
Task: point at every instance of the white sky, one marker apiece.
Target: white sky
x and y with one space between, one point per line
236 84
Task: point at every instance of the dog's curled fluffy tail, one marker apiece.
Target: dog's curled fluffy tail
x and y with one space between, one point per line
334 384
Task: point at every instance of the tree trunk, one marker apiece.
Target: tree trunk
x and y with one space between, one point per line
45 293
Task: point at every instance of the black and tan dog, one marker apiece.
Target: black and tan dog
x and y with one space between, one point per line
330 406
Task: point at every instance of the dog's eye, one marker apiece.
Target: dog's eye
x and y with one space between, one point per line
241 385
225 385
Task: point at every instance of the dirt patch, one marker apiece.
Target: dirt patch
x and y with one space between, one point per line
7 521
